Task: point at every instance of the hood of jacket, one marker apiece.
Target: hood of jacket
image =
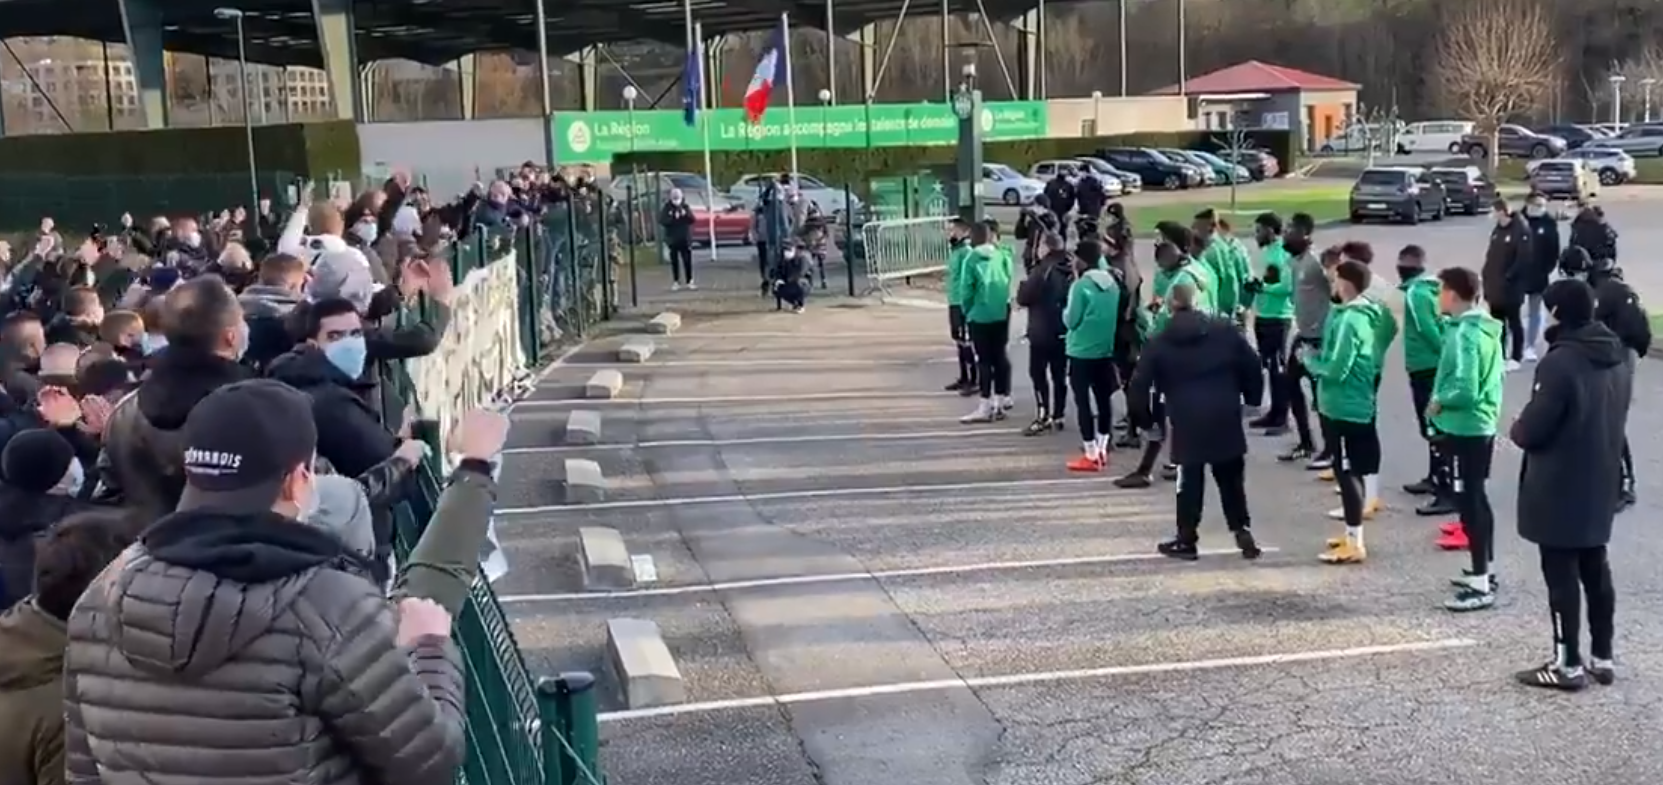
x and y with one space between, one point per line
262 301
1594 341
1189 326
178 379
1424 280
1103 280
204 585
31 647
306 366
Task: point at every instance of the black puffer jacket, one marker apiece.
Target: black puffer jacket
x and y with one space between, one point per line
28 516
1205 369
1571 432
1544 252
244 651
1591 233
1045 294
1617 306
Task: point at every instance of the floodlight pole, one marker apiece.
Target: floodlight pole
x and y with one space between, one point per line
236 15
542 22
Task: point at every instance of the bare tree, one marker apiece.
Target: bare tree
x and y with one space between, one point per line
1644 74
1496 59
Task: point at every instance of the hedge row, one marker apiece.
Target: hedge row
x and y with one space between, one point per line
855 166
302 148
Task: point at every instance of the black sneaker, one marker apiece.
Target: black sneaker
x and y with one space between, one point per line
1266 422
1625 499
1169 472
1319 462
957 386
1276 430
1437 505
1249 547
1133 480
1554 677
968 390
1128 441
1300 452
1602 672
1421 487
1040 425
1059 423
1178 549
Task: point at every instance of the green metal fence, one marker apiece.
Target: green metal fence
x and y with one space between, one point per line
523 730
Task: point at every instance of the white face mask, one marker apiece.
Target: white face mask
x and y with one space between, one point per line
1535 210
192 239
73 479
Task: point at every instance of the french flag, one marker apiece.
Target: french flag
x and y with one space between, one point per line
773 69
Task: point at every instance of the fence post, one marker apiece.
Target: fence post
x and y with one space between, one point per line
609 270
631 216
567 706
555 758
574 272
848 240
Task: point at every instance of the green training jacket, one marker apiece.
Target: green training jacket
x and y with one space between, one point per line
986 292
1346 369
1384 325
1189 272
1275 300
1423 326
954 275
1241 267
1092 316
1470 369
1219 262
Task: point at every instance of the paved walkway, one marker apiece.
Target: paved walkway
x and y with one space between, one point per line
861 591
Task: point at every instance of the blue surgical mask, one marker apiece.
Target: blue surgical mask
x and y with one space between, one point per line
348 355
150 343
366 232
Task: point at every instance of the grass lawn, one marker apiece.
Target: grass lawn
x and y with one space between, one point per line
1326 202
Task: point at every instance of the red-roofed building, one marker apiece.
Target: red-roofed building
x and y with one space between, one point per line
1271 96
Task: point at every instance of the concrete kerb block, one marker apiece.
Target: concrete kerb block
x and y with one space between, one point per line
636 350
646 671
604 384
604 558
584 482
583 426
665 323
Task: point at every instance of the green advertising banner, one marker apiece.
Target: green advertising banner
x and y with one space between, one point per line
594 137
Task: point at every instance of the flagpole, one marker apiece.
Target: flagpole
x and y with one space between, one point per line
790 90
704 123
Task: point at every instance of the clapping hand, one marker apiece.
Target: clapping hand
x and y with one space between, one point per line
480 435
57 407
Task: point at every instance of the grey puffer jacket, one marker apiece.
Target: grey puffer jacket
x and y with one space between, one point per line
248 650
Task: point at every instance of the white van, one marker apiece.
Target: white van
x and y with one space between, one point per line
1433 136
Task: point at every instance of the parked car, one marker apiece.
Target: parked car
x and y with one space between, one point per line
1209 175
833 201
1466 189
1357 138
1407 193
647 191
1045 171
1575 136
1008 186
1564 178
1260 164
1514 141
1640 141
1433 136
1228 172
1612 167
1152 167
1129 183
1609 129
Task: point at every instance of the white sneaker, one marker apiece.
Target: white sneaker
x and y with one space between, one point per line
1513 365
1530 355
692 286
1006 404
984 413
675 287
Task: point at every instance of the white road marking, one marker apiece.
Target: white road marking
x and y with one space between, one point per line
833 396
822 493
760 363
962 433
928 337
845 577
1046 677
543 375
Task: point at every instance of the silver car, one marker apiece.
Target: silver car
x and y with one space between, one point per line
1129 183
832 201
1640 141
1614 167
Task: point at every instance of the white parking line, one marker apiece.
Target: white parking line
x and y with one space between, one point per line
1045 677
962 433
833 396
845 577
919 336
824 493
760 363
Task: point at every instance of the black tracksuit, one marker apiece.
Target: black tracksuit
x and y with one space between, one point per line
1204 368
1045 294
1619 308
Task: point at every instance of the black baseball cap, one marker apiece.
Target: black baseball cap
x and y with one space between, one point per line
241 441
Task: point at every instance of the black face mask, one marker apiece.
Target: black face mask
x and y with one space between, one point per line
1405 273
1296 246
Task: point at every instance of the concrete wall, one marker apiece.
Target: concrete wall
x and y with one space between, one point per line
449 155
1074 117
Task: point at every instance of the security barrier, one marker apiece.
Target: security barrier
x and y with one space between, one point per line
900 249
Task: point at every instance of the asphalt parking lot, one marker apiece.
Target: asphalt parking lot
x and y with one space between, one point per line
860 590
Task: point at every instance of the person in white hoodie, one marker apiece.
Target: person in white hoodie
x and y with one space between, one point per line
329 225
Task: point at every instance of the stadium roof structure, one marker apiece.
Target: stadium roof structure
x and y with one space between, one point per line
283 32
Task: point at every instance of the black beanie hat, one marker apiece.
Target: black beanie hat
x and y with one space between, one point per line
1571 302
35 460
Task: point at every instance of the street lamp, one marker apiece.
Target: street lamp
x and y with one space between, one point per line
1096 111
1646 84
1617 97
825 96
236 15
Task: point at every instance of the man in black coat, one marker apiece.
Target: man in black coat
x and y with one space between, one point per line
1205 369
1045 294
1544 255
1507 264
1060 195
1571 432
1592 233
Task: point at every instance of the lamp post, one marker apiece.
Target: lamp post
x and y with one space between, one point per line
1617 97
967 104
1646 85
1096 112
633 208
236 15
825 97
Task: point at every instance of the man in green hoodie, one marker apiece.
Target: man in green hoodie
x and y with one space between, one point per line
1092 320
1218 257
1463 413
33 638
984 291
1272 297
1347 375
958 240
1423 340
1385 331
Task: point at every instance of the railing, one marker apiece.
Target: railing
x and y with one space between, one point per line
522 730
